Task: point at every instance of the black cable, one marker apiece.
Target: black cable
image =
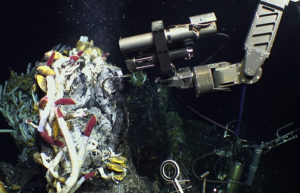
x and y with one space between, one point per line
203 156
180 101
242 128
220 48
208 180
223 182
210 153
213 122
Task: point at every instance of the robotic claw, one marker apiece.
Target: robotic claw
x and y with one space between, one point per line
163 46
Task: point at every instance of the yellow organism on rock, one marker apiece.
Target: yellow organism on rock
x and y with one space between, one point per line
119 177
116 167
118 159
2 187
45 70
82 45
57 55
116 163
41 81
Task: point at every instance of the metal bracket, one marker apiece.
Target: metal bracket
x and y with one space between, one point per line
262 34
161 46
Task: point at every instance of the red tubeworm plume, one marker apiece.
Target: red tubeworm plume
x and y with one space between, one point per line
65 101
105 55
58 143
50 140
50 61
89 175
80 53
74 58
43 102
90 125
59 113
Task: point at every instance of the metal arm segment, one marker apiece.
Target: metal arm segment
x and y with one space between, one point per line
262 34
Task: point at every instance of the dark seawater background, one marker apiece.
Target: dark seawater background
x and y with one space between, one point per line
30 28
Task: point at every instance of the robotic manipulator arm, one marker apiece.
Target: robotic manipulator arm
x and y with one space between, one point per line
162 47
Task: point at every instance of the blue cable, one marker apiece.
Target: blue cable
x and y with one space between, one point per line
237 130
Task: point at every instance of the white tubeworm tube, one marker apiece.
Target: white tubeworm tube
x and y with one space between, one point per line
44 114
103 175
87 132
71 150
54 163
58 187
81 180
82 150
